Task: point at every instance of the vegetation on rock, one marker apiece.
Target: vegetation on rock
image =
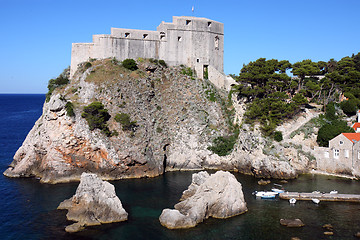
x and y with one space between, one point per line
126 123
70 109
130 64
97 116
61 80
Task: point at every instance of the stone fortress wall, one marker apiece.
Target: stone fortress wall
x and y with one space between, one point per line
195 42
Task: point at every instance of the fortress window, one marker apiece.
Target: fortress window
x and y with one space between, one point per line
188 22
216 43
209 24
179 39
127 35
145 36
197 60
162 35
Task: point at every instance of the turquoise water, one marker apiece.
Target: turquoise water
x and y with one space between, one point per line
28 208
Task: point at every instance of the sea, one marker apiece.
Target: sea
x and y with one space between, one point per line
28 208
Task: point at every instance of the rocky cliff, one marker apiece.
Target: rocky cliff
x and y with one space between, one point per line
175 116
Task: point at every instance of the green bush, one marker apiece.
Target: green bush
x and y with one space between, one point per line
97 116
224 145
330 111
330 130
126 123
187 71
55 83
278 136
87 65
162 63
70 109
350 106
130 64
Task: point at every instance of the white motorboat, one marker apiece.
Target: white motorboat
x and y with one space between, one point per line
333 192
265 194
277 190
315 200
292 201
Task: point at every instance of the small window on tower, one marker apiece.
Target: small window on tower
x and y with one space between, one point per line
209 24
179 39
162 35
216 43
127 35
197 60
145 36
188 22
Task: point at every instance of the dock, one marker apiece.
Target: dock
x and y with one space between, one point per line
321 196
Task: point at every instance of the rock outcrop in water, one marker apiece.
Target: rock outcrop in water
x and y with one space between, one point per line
218 195
94 203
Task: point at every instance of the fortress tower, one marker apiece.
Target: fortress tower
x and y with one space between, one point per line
195 42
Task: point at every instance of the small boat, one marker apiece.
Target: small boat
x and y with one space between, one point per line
334 192
292 201
277 190
315 200
269 195
265 194
317 192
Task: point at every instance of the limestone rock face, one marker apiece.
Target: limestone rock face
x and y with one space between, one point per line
176 121
218 195
94 203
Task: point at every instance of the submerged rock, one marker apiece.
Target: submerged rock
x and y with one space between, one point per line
218 195
292 222
94 203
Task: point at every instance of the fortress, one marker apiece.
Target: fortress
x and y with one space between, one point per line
195 42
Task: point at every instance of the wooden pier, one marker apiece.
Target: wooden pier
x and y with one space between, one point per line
321 196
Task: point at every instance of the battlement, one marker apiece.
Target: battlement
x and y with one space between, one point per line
195 42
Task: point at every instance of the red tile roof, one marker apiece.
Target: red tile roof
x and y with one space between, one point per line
356 125
352 136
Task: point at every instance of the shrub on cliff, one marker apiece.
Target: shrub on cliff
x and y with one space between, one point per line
69 109
126 123
61 80
97 116
224 145
278 136
130 64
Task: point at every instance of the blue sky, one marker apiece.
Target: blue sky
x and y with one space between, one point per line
36 35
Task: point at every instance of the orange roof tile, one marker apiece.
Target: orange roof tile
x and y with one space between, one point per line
352 136
356 125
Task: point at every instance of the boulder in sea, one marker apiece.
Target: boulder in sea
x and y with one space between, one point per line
218 195
94 203
292 222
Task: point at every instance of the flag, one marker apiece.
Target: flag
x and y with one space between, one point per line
192 9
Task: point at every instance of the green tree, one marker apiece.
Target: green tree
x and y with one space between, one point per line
350 106
331 130
303 69
97 116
